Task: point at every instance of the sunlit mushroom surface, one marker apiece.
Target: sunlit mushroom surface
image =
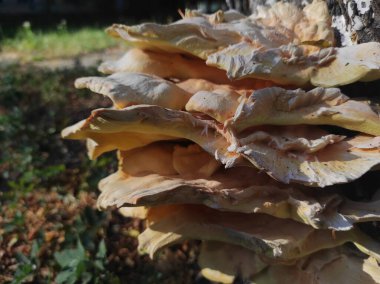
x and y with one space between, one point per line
228 130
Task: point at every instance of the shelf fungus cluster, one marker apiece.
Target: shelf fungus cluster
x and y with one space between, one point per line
230 129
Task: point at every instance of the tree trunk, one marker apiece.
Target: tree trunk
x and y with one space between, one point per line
248 6
355 21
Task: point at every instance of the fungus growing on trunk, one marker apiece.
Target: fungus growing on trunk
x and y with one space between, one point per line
216 142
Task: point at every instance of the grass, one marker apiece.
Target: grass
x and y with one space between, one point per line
50 228
34 45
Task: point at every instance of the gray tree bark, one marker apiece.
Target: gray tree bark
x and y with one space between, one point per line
356 21
248 6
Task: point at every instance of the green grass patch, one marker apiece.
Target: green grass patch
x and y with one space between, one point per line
34 45
50 228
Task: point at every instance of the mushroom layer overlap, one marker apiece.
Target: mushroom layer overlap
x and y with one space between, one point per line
217 142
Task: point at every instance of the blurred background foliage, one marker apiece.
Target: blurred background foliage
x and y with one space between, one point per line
50 228
100 12
33 44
